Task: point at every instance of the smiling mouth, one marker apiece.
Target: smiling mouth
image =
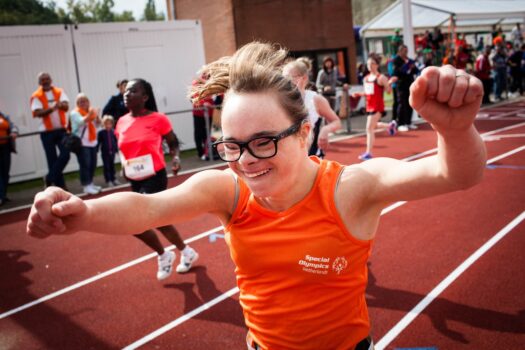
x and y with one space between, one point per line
256 174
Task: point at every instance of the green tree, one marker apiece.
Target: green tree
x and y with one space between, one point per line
25 12
78 11
150 12
125 16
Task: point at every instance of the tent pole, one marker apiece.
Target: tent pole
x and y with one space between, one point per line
408 31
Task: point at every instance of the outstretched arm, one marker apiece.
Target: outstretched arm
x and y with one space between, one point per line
55 211
332 120
449 100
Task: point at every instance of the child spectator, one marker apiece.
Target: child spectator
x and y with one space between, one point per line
107 144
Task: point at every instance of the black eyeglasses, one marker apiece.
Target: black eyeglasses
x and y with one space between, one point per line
260 147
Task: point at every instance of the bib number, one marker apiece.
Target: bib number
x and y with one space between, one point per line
139 168
369 88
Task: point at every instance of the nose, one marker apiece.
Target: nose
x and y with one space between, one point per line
246 157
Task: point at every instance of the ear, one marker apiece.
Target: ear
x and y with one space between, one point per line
304 133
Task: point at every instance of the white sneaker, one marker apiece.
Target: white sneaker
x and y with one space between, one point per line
165 262
116 183
99 188
412 127
90 190
187 258
402 128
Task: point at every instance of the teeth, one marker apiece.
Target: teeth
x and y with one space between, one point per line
259 173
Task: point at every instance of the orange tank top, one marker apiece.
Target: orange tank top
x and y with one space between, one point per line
301 275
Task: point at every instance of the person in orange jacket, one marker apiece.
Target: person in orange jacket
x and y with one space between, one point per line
50 104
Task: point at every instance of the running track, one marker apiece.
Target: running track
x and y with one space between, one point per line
445 273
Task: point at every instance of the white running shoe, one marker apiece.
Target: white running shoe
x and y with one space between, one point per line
187 258
90 190
402 128
99 188
165 262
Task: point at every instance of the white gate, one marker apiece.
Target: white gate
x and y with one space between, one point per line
91 58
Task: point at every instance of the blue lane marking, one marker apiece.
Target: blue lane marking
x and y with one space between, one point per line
213 237
519 167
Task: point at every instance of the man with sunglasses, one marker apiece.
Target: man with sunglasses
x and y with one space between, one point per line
299 229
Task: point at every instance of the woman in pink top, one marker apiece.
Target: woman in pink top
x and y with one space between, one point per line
140 134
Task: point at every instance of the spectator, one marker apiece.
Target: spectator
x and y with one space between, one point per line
8 134
107 144
480 45
50 104
115 106
140 134
396 40
202 120
300 230
516 36
515 62
405 70
499 66
84 122
462 58
483 70
328 80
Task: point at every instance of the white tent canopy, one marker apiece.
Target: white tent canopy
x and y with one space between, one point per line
427 14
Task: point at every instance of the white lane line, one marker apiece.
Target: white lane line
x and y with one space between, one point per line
204 234
182 319
101 275
412 314
506 154
386 210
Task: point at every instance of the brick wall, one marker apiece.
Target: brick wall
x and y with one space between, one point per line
297 24
217 24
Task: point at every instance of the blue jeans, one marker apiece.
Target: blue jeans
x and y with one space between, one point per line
500 82
5 165
108 159
51 140
87 160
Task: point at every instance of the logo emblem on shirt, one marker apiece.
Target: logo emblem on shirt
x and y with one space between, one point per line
339 264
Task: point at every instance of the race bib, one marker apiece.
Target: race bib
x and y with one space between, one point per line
139 168
369 88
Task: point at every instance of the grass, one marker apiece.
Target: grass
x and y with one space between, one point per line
74 175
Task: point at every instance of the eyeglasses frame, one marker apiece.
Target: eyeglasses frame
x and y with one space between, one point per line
293 129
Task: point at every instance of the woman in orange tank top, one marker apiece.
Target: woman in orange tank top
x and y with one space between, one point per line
299 229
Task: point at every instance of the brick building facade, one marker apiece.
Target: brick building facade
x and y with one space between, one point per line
314 28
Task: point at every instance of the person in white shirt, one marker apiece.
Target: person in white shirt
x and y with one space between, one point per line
50 104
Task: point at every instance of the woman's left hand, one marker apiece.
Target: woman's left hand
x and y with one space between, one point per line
175 165
448 98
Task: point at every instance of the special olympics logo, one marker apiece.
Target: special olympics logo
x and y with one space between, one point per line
339 264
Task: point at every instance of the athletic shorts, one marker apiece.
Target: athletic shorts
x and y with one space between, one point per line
153 184
374 112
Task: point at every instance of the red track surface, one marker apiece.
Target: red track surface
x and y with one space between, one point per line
418 245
